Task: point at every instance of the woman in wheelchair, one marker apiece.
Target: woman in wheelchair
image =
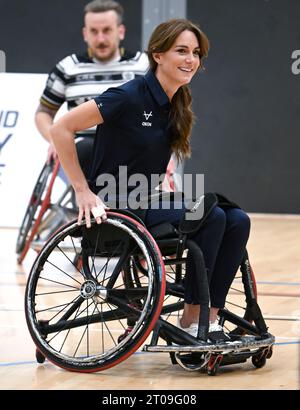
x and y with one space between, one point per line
176 50
123 289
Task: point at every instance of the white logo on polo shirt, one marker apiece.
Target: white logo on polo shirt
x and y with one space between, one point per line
147 116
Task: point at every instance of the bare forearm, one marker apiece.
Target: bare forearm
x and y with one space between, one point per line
44 119
62 135
63 141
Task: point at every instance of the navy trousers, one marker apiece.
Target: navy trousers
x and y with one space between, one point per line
222 239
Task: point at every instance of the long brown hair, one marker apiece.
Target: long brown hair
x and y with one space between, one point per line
182 116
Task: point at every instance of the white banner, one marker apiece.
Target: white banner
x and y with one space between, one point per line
23 150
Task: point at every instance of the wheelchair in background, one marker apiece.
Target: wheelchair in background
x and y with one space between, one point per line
127 292
43 214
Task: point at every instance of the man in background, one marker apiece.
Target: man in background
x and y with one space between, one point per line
80 77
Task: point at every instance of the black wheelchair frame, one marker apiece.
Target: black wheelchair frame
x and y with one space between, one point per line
90 316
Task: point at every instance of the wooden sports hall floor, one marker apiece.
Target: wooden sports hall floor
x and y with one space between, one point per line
274 250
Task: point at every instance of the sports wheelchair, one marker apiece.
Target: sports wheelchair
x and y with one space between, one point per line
91 316
44 214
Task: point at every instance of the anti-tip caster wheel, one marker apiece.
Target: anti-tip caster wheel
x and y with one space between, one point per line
213 364
269 352
40 358
259 361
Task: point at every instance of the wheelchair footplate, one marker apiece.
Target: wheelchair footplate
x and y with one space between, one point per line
209 357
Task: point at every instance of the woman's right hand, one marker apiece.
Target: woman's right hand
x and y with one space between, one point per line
52 154
89 203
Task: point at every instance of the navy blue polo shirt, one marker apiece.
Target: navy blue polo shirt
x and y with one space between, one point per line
135 132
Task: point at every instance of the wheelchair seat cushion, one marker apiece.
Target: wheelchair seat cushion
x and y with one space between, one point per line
196 215
163 231
199 211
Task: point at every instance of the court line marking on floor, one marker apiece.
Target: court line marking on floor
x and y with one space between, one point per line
271 282
16 363
288 338
265 282
4 364
277 317
279 294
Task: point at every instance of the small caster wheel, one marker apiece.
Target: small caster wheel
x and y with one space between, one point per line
270 352
213 370
259 361
40 358
213 364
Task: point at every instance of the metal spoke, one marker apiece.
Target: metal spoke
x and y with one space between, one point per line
233 304
93 258
112 310
85 330
77 254
67 324
109 258
69 259
237 290
57 306
54 293
60 283
104 322
65 273
68 332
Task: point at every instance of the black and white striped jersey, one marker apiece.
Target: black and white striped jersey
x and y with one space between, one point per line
79 78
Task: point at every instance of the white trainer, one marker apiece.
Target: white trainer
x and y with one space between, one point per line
215 327
191 330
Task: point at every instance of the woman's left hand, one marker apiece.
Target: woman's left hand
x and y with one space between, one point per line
89 203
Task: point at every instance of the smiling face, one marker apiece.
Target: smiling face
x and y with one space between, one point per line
103 33
178 65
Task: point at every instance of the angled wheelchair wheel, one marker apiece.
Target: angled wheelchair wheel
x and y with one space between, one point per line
34 203
38 205
78 315
241 315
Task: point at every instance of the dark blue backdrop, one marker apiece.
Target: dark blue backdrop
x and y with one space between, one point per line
246 140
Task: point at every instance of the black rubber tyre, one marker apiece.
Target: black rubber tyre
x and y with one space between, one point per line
259 361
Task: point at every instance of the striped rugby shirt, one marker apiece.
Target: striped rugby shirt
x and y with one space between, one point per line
79 78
